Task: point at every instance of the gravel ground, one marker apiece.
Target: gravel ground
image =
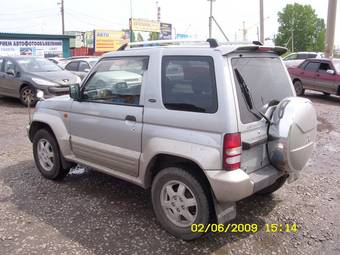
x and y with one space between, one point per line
91 213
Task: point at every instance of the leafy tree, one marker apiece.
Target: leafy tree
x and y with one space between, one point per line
153 36
300 25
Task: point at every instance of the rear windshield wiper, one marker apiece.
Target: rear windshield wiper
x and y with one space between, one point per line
247 96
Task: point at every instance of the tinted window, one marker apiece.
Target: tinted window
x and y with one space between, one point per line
311 55
266 80
312 66
303 64
303 56
82 66
9 65
188 84
117 80
72 66
324 67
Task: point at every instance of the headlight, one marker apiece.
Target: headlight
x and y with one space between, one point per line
43 82
78 80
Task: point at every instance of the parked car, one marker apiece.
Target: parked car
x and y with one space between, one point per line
296 58
22 76
189 122
317 74
81 66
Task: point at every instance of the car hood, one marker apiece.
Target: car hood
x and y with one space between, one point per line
58 103
60 77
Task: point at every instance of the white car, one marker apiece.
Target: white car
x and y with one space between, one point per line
296 58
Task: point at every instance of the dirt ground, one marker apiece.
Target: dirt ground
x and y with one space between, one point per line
91 213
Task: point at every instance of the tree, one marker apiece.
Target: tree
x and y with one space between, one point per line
300 26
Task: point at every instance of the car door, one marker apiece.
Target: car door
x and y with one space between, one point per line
106 124
326 81
308 74
10 79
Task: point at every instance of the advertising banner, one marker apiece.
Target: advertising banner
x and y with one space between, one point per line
41 48
108 40
166 31
145 25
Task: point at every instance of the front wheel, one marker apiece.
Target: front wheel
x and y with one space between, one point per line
179 200
28 96
47 156
299 88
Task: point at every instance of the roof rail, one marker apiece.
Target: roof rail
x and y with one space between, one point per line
211 42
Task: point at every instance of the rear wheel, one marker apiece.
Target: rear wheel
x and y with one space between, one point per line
179 200
27 95
47 156
274 187
299 88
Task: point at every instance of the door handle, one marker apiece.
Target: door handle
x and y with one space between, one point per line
130 118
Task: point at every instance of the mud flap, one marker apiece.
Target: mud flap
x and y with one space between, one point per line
224 211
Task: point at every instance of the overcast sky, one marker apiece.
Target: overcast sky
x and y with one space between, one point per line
187 16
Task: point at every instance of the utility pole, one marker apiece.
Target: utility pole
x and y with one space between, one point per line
62 17
244 31
330 30
210 18
261 22
131 32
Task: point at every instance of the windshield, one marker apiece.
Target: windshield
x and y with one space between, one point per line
38 65
266 80
336 64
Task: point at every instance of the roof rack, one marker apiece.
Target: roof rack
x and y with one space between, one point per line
210 41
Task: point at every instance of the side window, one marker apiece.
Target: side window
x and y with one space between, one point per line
1 60
311 55
188 84
303 64
312 66
291 57
9 66
116 80
324 67
72 66
302 56
83 66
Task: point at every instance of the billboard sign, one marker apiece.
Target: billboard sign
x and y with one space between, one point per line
108 40
40 48
145 25
166 31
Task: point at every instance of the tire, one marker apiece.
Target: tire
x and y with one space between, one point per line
28 92
167 205
298 88
326 93
47 156
274 187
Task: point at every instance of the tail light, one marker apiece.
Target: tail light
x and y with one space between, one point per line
232 151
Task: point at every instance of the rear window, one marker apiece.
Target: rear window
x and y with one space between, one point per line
188 84
266 79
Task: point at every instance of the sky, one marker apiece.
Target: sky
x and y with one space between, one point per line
187 16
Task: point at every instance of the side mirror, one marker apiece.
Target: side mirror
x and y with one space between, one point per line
10 72
86 70
330 71
75 91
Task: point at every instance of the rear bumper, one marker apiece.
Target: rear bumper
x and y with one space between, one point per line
229 186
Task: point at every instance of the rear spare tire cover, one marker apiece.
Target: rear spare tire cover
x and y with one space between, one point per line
291 134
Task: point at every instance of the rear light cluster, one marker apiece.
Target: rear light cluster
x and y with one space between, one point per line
232 151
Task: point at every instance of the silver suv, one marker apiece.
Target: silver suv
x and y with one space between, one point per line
202 126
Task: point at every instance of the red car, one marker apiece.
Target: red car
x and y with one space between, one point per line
317 74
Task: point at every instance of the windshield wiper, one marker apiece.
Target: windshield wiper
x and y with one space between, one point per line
247 96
